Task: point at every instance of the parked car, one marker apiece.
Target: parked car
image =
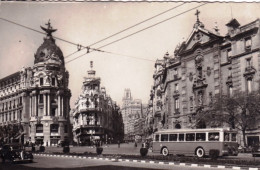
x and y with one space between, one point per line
255 151
15 153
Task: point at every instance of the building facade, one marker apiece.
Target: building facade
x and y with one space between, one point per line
37 98
206 65
96 116
131 111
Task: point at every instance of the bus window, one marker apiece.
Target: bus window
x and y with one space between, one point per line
173 137
200 136
181 137
233 137
190 136
213 136
164 137
156 137
226 136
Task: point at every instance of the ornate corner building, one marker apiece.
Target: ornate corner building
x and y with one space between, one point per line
205 65
96 116
37 98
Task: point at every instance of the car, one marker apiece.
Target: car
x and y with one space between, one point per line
255 151
15 153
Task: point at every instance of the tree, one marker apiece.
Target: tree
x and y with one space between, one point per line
240 111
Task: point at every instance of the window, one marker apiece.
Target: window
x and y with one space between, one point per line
229 53
181 137
41 81
157 137
13 115
248 43
200 136
41 98
173 137
230 90
66 129
53 81
230 72
248 62
164 137
190 137
39 128
53 111
20 114
214 136
175 73
54 128
176 87
177 104
10 115
233 137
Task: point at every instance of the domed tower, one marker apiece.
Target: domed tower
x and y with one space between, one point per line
50 96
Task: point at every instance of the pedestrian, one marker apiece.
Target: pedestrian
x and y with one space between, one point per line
135 144
118 143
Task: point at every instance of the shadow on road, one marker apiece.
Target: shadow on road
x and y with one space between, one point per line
9 166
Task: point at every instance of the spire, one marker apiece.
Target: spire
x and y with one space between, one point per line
197 13
91 72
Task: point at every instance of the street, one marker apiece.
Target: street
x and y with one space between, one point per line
43 162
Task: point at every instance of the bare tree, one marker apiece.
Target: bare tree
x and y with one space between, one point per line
240 111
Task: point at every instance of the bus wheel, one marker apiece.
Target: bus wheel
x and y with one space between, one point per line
200 152
165 151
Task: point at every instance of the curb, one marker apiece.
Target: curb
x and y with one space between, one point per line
150 162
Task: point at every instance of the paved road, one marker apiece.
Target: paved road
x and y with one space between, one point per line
43 162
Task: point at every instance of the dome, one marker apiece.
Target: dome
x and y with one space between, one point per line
49 51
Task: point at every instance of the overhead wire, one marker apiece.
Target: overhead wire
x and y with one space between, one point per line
96 49
136 24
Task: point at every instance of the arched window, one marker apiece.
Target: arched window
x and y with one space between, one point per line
177 126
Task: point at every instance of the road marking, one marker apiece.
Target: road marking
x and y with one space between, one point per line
161 162
194 165
151 162
182 164
120 160
220 166
107 159
95 157
113 159
100 158
142 161
171 163
127 160
134 160
235 167
207 166
89 157
253 169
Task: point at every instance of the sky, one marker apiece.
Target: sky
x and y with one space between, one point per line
89 22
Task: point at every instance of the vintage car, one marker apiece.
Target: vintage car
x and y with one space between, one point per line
15 153
255 151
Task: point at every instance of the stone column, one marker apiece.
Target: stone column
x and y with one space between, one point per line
48 95
30 107
35 105
59 112
32 132
44 105
62 108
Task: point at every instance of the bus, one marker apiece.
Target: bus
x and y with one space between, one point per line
195 142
